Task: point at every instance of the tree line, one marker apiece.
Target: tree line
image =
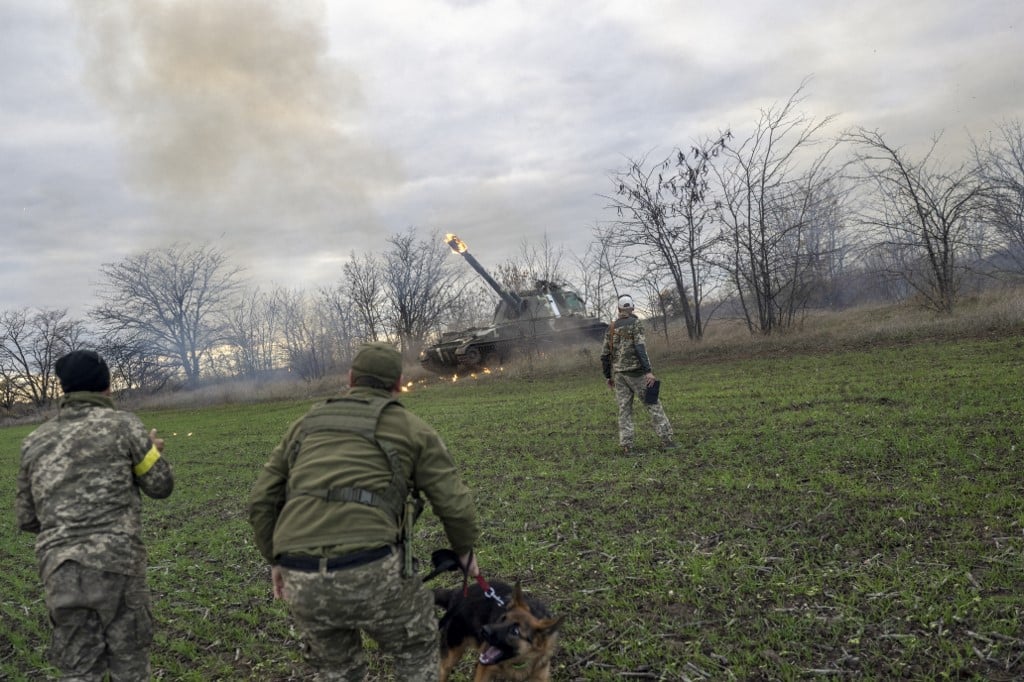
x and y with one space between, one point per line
761 228
788 218
181 314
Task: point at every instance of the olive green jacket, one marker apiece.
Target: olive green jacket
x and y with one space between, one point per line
288 523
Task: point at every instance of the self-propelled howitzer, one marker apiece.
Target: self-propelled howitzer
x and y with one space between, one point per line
546 317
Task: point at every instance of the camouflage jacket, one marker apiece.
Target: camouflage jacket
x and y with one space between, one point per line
79 483
625 349
286 521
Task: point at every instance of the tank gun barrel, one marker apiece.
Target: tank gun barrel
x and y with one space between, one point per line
459 247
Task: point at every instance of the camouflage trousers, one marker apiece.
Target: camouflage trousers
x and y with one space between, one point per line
331 609
101 624
627 388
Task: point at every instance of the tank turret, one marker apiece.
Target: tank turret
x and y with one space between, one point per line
547 316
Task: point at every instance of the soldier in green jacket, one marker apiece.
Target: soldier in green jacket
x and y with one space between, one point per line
330 510
78 490
627 370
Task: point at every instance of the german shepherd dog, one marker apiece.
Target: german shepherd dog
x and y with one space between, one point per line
515 641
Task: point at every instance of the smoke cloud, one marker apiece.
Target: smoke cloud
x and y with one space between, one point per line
236 122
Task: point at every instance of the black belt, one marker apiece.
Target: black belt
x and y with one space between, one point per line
309 563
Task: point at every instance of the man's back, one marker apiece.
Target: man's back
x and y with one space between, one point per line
78 469
333 456
326 516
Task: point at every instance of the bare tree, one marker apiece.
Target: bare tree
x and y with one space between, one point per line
253 330
653 287
308 335
346 323
175 299
594 276
8 387
615 268
421 287
771 189
664 209
513 275
363 284
30 343
134 367
474 307
542 261
922 215
534 263
829 245
1000 163
696 211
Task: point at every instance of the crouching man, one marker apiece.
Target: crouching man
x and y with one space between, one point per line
330 512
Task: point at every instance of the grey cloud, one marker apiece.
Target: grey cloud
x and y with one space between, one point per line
290 134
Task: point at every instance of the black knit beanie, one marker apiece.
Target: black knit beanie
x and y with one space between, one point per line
82 370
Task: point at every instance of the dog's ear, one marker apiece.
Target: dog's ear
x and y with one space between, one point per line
549 626
517 597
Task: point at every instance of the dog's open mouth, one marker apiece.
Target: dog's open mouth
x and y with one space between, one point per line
492 655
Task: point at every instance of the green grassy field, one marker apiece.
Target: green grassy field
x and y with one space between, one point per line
832 515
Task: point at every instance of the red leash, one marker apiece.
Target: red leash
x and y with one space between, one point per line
487 589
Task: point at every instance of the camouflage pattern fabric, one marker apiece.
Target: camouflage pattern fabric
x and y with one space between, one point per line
79 486
101 623
625 347
331 608
628 387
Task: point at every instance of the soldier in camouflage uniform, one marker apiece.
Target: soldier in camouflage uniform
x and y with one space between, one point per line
627 369
78 489
329 513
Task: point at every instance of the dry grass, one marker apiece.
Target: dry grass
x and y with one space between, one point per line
996 312
991 314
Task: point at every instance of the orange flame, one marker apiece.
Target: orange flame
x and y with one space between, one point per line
457 245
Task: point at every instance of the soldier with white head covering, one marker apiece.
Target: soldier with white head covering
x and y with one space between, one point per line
627 369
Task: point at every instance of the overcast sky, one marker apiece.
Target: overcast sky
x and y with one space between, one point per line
289 134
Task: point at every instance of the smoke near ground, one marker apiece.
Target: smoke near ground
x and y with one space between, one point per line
236 123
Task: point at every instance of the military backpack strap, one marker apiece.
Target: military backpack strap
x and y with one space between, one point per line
361 418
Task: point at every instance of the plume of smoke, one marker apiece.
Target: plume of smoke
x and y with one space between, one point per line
234 119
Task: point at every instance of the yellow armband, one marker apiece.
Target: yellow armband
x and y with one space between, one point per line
147 462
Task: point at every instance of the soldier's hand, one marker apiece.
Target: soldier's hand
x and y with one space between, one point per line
649 379
158 443
611 383
468 562
277 580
